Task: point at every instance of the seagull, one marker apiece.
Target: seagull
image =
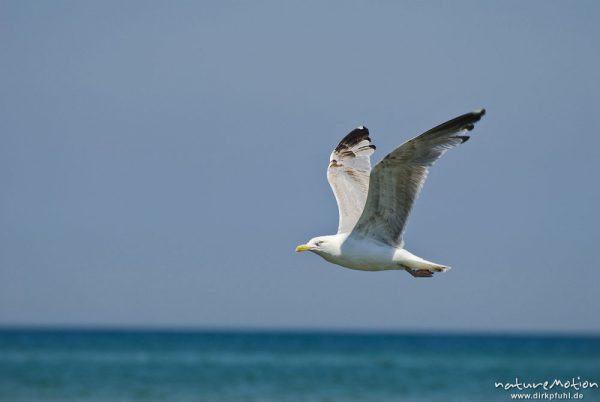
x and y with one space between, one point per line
374 205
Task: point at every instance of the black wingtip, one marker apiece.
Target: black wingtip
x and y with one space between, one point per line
355 136
464 122
464 138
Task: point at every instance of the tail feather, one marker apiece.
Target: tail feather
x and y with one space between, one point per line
424 264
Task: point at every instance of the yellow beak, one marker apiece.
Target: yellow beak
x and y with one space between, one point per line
303 247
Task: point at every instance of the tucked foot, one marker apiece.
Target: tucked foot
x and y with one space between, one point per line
420 273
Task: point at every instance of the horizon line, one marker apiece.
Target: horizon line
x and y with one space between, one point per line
58 327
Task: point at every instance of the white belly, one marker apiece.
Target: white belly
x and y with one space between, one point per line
366 255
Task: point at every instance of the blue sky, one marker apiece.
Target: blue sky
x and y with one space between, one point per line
159 162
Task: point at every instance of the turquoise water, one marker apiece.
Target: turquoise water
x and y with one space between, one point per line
90 365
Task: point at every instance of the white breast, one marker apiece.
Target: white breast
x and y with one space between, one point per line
365 255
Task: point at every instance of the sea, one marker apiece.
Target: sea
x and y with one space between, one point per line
304 366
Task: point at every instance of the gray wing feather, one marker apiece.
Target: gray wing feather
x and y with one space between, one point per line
395 182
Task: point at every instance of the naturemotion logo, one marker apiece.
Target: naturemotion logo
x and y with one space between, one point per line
575 384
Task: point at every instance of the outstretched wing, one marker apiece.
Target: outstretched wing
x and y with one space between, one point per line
348 175
398 178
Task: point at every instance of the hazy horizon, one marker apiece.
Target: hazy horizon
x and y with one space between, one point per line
58 328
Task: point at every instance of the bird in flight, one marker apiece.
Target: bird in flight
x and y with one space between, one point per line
374 204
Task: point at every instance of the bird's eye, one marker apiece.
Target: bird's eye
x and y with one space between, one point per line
318 243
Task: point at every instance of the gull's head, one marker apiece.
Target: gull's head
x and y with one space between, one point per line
320 245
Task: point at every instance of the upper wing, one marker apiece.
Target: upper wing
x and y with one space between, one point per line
348 175
398 178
